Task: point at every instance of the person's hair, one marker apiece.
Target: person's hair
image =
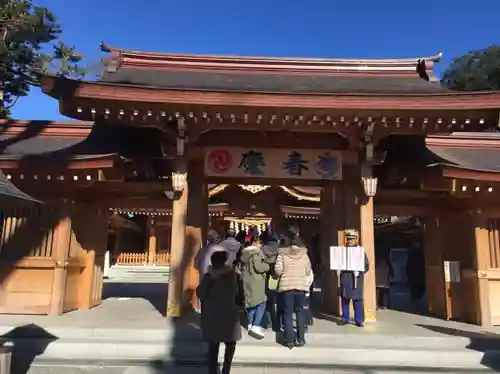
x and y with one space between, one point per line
284 241
293 232
218 259
270 237
230 233
213 236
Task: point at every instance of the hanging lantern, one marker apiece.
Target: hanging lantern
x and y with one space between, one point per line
178 181
369 185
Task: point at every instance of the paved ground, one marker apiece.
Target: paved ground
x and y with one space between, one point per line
140 306
129 312
236 370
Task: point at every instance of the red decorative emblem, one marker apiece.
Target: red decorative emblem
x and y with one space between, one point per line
219 161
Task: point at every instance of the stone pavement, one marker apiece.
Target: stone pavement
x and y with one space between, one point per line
236 370
141 305
132 312
129 325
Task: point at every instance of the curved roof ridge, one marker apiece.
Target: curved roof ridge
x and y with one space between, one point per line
125 56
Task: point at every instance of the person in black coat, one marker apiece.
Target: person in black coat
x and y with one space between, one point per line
352 286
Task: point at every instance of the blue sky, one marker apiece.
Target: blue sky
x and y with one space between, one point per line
313 28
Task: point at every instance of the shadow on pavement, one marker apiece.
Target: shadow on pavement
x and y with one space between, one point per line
154 293
486 342
29 341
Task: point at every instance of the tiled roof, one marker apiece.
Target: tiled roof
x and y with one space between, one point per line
485 160
10 193
273 83
103 140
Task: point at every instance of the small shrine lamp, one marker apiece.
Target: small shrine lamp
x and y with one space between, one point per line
369 182
179 175
178 180
370 186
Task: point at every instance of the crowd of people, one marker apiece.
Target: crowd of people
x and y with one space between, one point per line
270 277
266 275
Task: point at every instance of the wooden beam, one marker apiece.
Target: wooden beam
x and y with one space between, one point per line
44 166
405 210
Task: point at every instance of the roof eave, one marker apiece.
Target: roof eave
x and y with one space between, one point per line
108 161
214 57
59 87
458 172
486 141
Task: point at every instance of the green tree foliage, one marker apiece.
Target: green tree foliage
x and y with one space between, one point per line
475 71
24 30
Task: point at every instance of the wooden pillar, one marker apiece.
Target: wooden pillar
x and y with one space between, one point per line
177 238
107 263
434 267
359 214
277 220
368 242
117 244
330 218
482 264
465 240
189 221
62 237
89 226
196 228
152 241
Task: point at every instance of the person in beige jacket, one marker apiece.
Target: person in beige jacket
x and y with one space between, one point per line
293 268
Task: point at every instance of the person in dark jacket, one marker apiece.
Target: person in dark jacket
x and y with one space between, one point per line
232 246
270 250
220 303
352 286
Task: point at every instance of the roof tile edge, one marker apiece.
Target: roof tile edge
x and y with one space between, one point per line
139 59
477 140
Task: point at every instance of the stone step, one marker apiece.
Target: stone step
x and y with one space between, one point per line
185 345
189 334
139 276
146 268
194 353
79 366
162 276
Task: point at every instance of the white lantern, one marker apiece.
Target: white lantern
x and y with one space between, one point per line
178 181
370 186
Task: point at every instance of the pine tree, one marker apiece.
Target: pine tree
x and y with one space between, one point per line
477 70
24 30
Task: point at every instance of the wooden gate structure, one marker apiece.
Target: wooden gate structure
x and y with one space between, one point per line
352 138
45 267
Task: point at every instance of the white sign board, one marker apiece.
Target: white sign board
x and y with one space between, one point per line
347 258
452 271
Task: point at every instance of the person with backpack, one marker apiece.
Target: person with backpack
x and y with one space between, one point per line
220 303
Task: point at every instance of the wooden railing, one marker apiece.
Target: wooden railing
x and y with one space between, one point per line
140 259
161 259
132 259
